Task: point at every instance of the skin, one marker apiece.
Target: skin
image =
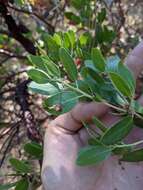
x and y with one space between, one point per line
65 136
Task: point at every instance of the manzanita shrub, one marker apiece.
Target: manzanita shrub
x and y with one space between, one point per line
94 78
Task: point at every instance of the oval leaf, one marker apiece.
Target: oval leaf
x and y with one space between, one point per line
44 89
93 155
118 132
61 102
115 65
20 166
45 64
98 59
128 76
69 64
135 156
120 84
38 76
95 75
34 149
23 184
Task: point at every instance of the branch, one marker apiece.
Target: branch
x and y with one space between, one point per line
15 30
21 97
10 54
49 26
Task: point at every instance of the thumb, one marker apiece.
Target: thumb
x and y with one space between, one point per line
82 112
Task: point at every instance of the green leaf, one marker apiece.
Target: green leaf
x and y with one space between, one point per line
65 101
99 124
78 4
108 35
20 166
112 63
98 59
101 15
93 155
127 75
95 75
69 64
44 89
122 150
45 64
137 107
72 37
38 76
135 156
34 149
72 17
53 47
118 131
116 66
23 184
7 186
19 2
66 41
93 142
58 39
120 84
89 64
83 39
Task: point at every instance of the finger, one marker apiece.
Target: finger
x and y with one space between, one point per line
82 112
135 60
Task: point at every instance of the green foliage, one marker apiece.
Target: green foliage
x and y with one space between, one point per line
45 64
19 2
61 102
68 64
34 150
134 156
99 79
73 66
23 184
7 186
20 166
118 131
98 59
93 155
38 76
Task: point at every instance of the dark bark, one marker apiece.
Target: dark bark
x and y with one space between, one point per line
16 30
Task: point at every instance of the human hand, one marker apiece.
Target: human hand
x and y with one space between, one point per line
65 136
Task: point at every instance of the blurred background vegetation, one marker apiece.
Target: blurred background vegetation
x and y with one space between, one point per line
35 27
